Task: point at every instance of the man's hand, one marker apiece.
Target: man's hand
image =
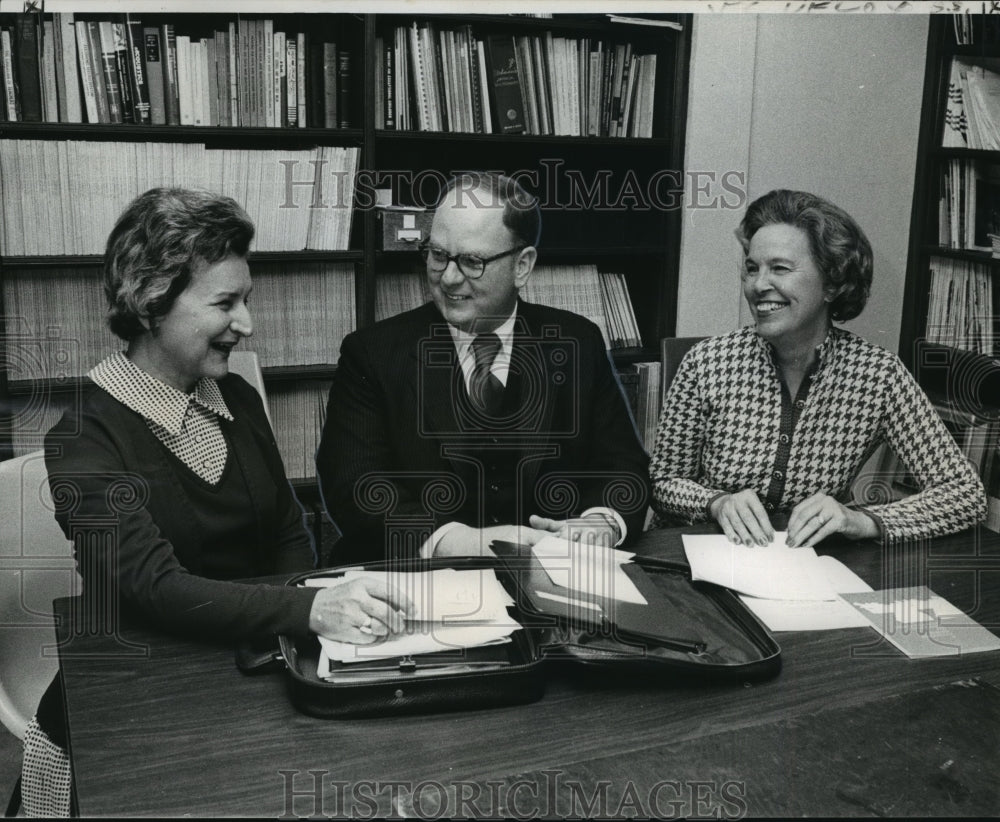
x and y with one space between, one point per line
593 529
464 541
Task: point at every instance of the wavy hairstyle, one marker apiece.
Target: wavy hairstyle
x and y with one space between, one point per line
160 239
839 247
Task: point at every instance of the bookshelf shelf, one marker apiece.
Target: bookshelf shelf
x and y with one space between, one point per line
292 373
652 144
52 263
972 255
212 135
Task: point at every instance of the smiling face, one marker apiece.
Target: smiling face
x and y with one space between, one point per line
464 225
194 338
786 292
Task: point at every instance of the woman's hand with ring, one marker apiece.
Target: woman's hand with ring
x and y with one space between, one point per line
820 516
361 611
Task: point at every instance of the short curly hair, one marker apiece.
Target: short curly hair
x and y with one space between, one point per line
160 239
839 247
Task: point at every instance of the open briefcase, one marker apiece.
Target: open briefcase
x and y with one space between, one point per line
685 629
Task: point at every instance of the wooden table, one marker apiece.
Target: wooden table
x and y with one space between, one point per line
850 727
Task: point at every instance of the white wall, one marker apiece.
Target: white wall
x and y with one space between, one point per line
834 108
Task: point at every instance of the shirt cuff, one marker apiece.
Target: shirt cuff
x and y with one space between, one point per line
427 549
610 512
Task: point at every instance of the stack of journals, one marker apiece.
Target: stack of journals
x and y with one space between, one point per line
301 313
960 306
600 297
298 411
972 116
298 199
113 69
447 79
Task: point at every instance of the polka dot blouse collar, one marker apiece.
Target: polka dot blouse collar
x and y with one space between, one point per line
152 399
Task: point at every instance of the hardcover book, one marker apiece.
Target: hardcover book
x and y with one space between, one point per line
505 88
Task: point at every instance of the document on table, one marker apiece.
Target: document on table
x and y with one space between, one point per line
921 623
771 571
789 589
453 609
587 568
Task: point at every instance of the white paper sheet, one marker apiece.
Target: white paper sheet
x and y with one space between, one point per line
588 569
769 572
444 595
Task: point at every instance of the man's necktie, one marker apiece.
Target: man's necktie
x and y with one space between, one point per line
485 389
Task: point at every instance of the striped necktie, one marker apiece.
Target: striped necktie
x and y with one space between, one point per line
485 390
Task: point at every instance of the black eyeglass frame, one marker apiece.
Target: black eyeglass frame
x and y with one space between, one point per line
425 248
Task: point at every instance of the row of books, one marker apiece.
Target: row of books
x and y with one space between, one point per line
447 79
298 199
298 411
960 309
113 69
599 296
300 315
969 205
972 113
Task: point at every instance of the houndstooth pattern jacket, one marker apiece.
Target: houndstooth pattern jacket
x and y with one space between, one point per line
728 424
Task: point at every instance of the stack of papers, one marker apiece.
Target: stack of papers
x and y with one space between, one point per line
789 589
595 570
453 609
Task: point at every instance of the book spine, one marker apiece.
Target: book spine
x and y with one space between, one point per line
302 83
211 68
86 76
437 99
97 68
505 85
9 83
184 80
280 79
484 94
171 92
389 85
292 80
70 109
138 80
242 61
267 73
475 82
343 88
232 73
122 63
3 104
154 75
330 85
27 42
221 69
109 63
50 72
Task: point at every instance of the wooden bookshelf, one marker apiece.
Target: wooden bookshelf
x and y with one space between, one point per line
640 243
961 374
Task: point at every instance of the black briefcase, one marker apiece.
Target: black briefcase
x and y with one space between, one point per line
686 630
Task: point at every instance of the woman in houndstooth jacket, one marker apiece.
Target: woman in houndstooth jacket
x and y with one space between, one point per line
768 426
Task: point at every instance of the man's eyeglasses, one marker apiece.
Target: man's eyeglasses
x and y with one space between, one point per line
471 265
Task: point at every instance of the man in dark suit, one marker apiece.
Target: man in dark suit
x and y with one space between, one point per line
479 416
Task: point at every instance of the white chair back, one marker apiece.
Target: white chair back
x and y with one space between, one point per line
36 566
247 365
